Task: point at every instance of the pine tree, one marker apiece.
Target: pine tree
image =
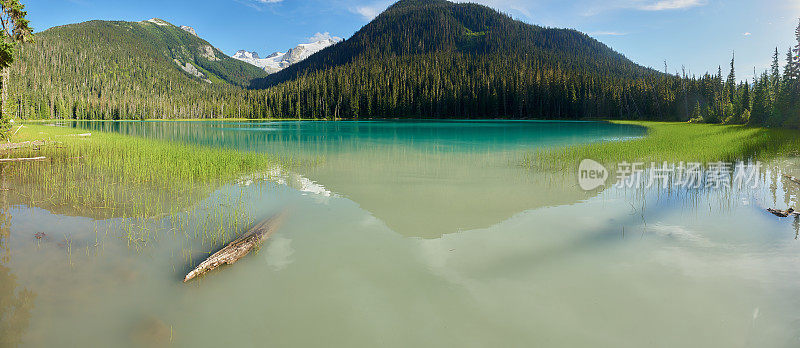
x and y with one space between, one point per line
797 48
745 99
775 77
790 71
15 29
730 83
760 110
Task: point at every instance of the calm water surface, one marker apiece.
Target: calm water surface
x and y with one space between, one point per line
416 234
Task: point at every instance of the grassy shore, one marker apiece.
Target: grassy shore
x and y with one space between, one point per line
675 142
107 174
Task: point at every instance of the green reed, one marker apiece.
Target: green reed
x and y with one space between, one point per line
675 142
136 180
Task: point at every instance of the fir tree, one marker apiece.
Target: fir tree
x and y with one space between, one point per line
775 77
790 71
15 29
730 83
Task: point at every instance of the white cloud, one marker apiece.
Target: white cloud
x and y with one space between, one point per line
370 11
257 4
607 33
322 36
523 7
747 34
593 7
661 5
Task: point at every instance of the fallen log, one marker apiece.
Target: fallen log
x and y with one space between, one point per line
792 179
15 132
240 247
783 213
12 146
40 158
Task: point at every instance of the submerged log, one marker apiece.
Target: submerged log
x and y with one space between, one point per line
240 247
40 158
783 213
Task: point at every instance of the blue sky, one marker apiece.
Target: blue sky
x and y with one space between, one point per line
700 34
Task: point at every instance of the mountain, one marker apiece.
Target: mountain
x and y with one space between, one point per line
278 61
122 69
244 55
415 27
417 59
435 58
189 30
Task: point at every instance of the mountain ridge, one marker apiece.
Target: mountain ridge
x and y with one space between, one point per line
145 65
404 29
278 61
417 59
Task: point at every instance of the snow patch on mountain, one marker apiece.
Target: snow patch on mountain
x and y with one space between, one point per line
189 30
242 55
157 21
278 61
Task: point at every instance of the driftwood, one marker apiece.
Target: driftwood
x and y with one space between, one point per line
783 213
15 132
792 179
40 158
11 146
240 247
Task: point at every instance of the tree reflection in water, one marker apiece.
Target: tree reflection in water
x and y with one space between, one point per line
15 306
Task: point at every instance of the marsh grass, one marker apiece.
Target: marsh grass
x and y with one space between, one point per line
133 181
117 175
674 142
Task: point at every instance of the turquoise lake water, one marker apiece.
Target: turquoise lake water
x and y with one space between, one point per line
417 234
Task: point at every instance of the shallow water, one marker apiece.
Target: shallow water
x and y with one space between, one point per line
414 234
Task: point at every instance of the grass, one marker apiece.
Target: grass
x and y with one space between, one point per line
675 142
111 175
138 186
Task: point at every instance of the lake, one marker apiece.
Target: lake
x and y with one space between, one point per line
413 233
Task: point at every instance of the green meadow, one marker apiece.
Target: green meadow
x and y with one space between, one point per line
675 142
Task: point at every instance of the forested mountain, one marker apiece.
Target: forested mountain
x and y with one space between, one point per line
420 27
111 69
434 58
418 59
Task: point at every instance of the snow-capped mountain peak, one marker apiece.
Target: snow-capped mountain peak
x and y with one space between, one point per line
278 61
244 55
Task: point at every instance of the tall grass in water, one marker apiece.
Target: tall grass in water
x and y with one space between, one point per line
674 142
108 175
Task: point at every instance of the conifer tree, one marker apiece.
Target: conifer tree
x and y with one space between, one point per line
790 71
730 83
775 77
15 29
